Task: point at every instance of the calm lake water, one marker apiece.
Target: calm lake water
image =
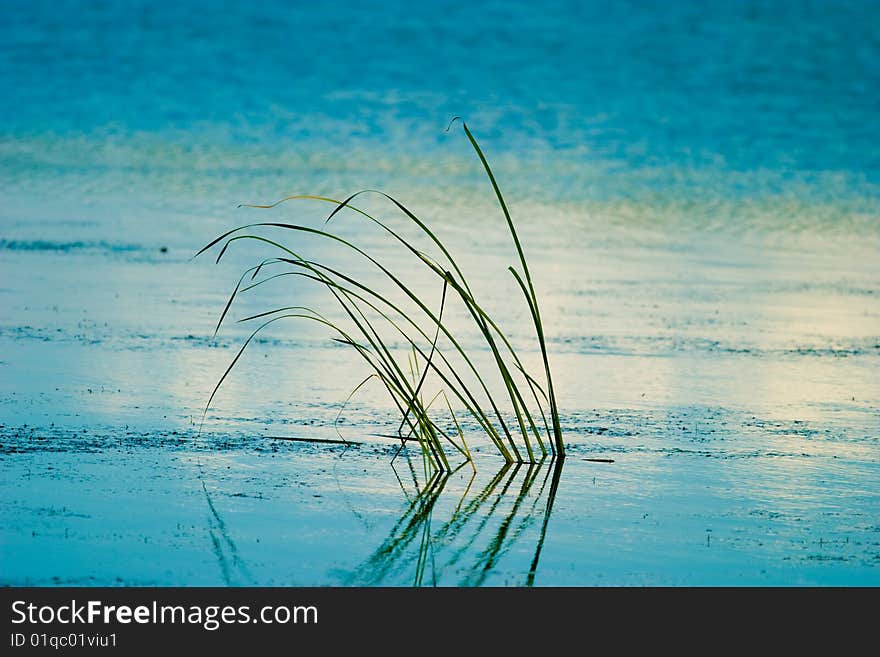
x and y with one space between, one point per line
696 188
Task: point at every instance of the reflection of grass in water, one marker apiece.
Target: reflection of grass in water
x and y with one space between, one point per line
233 563
476 526
408 527
432 348
499 545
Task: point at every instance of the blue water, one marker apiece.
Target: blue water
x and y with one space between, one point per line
696 185
712 101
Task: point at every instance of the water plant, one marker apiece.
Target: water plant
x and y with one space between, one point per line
377 318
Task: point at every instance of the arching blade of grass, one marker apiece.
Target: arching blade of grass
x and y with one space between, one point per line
348 399
409 293
539 328
478 415
388 378
297 260
388 273
433 346
464 289
369 309
462 450
424 423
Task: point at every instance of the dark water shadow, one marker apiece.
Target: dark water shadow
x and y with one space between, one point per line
461 538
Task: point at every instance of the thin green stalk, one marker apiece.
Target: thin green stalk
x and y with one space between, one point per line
466 293
554 412
359 302
388 273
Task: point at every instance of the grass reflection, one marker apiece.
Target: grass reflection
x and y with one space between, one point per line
444 538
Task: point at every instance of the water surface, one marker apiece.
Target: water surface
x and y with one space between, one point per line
696 185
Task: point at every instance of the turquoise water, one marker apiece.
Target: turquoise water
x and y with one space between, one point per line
697 190
685 106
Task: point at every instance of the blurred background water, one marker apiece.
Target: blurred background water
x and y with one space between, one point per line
722 115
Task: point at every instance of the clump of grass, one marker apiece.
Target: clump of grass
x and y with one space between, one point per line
521 427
